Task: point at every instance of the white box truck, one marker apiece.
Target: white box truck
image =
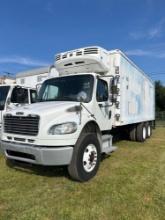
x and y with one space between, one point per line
96 91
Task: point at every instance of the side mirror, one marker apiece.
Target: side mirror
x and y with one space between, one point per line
38 86
113 94
114 90
8 101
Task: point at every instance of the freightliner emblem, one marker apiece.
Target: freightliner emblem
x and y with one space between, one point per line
19 113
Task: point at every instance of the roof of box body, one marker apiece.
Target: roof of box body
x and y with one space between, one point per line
131 62
34 72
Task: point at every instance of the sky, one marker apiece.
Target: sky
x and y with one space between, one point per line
33 31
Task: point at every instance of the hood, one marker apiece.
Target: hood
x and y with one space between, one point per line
43 108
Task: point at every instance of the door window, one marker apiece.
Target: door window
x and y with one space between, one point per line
102 91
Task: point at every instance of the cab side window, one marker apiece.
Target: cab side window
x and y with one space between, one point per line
102 91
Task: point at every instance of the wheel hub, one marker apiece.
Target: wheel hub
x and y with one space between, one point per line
149 131
144 133
90 158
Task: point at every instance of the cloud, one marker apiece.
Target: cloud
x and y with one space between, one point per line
150 33
149 53
157 30
138 52
137 35
150 4
49 7
23 61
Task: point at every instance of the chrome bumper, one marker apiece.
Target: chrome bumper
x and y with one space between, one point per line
50 156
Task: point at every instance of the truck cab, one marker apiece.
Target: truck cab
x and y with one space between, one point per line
12 96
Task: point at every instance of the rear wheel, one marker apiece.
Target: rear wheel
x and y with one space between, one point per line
86 158
141 132
132 133
149 130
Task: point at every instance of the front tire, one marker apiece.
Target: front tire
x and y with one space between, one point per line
86 158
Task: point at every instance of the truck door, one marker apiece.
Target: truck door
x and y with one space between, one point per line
103 112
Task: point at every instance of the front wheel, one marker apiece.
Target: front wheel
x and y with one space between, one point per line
86 158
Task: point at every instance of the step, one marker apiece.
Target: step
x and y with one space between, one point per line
107 147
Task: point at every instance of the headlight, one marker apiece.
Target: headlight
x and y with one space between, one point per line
66 128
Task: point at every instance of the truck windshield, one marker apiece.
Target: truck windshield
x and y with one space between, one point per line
68 88
3 95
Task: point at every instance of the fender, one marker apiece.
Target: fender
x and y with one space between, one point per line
91 127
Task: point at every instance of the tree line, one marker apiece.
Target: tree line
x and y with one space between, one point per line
159 96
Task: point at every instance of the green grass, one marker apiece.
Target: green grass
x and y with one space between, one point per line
130 184
160 123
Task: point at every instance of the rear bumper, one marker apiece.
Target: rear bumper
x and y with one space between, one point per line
50 156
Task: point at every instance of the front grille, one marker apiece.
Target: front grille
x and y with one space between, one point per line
21 125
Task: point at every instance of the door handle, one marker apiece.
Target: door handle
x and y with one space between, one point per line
110 114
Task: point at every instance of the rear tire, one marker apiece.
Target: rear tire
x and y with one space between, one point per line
141 134
132 133
149 130
86 158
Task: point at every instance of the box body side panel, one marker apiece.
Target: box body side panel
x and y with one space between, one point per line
137 94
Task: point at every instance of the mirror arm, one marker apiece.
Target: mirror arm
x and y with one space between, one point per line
92 115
